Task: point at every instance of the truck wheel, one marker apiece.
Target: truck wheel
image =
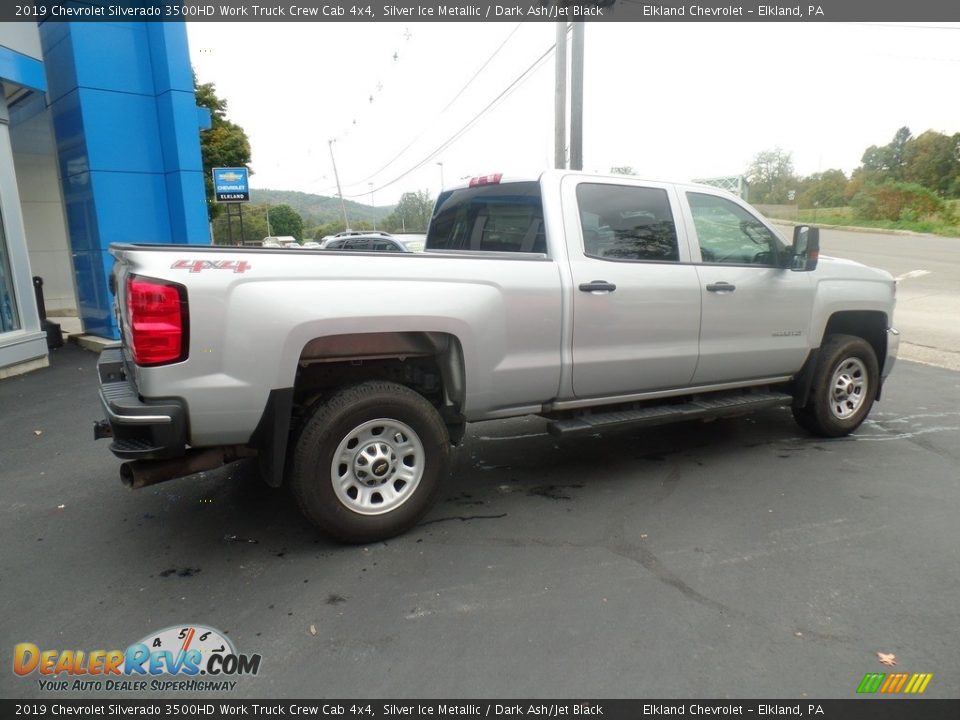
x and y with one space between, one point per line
844 386
369 462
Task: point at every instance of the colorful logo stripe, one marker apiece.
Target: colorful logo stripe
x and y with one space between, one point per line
895 683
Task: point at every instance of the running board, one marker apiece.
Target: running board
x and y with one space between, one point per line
699 409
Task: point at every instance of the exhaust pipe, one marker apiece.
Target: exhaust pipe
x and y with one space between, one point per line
138 474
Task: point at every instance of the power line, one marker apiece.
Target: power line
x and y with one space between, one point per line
476 118
439 114
445 108
482 67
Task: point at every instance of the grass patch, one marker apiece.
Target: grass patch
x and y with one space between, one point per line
846 216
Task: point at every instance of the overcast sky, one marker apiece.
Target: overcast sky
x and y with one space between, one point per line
673 100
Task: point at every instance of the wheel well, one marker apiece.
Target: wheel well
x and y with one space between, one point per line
871 325
868 324
430 364
427 362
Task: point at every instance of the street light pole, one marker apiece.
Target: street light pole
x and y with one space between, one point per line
441 176
343 208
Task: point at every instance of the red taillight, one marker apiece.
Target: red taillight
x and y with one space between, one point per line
157 322
486 180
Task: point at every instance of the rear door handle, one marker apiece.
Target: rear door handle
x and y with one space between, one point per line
597 286
721 287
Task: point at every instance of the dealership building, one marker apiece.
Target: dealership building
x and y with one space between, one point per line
99 143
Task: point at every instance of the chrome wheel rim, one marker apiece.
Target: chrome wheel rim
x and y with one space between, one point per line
848 388
377 466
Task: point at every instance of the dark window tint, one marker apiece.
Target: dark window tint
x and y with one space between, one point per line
502 218
620 222
385 246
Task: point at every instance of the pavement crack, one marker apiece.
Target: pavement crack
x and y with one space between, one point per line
650 562
553 492
464 518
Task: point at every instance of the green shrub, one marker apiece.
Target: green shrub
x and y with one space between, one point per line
896 201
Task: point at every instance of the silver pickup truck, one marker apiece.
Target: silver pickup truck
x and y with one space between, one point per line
591 301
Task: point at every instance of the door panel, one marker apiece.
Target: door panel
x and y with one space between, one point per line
642 336
640 332
759 329
756 314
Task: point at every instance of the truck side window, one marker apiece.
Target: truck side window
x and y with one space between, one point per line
621 222
730 235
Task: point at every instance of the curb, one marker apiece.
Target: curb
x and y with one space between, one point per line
92 343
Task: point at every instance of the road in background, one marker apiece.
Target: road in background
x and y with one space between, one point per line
928 293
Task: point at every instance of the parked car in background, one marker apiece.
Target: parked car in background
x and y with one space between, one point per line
372 243
415 242
351 233
280 241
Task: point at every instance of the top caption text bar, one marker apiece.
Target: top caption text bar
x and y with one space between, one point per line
481 11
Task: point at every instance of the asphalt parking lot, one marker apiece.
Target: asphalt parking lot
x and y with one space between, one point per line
739 558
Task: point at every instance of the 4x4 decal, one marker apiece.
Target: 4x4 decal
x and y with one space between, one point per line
195 266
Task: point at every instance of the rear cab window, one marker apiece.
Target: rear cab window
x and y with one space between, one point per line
504 217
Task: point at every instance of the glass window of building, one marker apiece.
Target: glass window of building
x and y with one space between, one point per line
9 319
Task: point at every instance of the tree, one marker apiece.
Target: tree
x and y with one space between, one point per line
886 163
824 189
412 213
225 144
227 229
933 160
330 228
284 220
771 176
622 170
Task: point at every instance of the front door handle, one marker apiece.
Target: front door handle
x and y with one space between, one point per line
721 287
597 286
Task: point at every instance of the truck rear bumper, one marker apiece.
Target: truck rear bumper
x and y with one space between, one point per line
141 429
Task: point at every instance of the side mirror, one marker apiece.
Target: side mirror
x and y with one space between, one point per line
805 250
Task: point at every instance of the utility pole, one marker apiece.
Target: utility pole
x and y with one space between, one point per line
373 204
576 97
560 99
269 232
343 208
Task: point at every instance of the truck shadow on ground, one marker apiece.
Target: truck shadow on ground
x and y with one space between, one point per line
224 536
498 465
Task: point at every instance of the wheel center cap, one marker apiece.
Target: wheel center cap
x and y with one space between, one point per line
380 468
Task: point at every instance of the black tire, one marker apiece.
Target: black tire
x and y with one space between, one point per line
392 444
845 384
